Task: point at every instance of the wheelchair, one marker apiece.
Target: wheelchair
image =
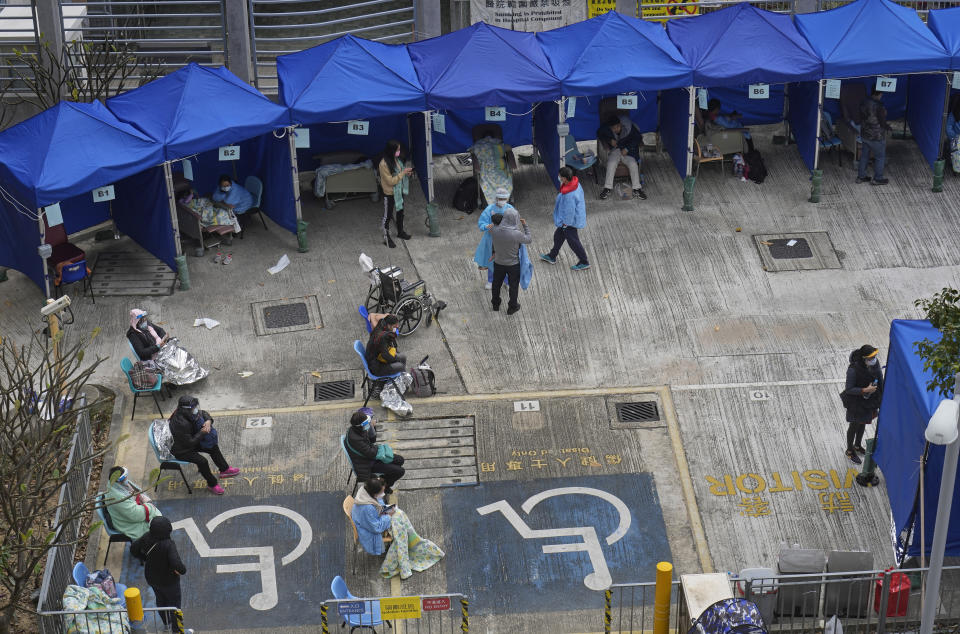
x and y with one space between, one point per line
409 301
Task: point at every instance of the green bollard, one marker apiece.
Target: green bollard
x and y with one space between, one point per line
688 183
938 176
867 477
302 236
816 182
433 225
183 272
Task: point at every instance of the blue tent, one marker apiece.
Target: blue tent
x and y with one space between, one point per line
613 53
483 65
945 24
380 78
869 37
907 406
196 108
743 45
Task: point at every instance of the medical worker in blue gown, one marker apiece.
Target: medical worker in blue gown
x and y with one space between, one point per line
483 256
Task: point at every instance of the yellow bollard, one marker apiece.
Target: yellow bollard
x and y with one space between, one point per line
134 604
661 601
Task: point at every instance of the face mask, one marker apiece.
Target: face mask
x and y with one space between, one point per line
366 424
397 154
872 362
225 189
195 410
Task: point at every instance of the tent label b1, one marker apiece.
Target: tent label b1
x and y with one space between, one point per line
103 194
887 84
759 91
495 113
229 153
832 89
439 122
301 137
626 102
361 128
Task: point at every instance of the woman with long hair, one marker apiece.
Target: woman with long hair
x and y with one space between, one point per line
395 183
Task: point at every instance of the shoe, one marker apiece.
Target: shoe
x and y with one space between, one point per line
488 286
639 193
580 266
513 309
881 181
859 449
218 258
229 473
854 458
390 243
604 193
546 258
217 490
228 259
865 179
403 235
496 307
388 491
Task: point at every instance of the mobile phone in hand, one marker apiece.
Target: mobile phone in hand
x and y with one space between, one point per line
386 509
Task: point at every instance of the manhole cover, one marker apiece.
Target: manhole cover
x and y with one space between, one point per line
643 412
793 248
333 390
286 315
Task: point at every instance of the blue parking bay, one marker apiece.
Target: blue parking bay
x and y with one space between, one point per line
543 545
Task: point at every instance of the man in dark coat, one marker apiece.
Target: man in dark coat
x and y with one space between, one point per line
862 395
366 455
193 432
382 355
873 138
163 567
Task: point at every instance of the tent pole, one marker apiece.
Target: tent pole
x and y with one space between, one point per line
562 118
43 240
428 145
302 246
816 177
690 180
923 528
182 271
940 163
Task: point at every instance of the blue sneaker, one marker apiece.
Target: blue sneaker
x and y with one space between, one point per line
546 258
580 267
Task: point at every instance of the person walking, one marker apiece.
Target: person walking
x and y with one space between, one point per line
569 216
162 567
193 433
873 136
395 183
508 238
861 397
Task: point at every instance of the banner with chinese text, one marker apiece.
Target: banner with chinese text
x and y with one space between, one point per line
599 7
662 10
528 15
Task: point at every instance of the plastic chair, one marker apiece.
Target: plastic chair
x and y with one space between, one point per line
81 572
115 535
577 160
699 157
255 187
371 609
828 139
73 273
352 471
370 377
127 366
63 249
167 463
136 357
366 317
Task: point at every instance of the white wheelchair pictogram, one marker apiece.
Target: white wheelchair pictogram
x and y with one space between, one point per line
600 578
266 599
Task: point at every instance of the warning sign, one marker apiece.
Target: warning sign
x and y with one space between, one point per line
662 10
400 608
599 7
436 604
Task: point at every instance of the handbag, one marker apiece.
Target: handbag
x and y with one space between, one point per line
142 377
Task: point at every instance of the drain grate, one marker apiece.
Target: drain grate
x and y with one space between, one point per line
333 390
277 316
286 315
643 412
781 249
464 159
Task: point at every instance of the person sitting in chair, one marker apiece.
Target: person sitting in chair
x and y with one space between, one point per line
230 195
622 140
193 432
715 119
382 356
153 345
369 458
129 509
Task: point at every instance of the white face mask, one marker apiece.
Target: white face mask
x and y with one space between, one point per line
225 189
195 410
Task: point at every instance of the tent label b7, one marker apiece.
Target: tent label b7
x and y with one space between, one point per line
887 84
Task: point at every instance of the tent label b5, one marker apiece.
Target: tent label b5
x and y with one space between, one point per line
626 102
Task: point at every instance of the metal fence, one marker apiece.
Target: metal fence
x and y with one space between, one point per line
873 601
921 6
112 621
421 614
284 26
16 33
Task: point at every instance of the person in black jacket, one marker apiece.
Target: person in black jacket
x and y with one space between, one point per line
382 355
163 567
362 447
145 336
193 432
862 395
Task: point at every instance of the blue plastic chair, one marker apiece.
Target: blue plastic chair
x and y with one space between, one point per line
104 514
127 366
255 187
371 609
81 572
370 377
73 273
166 462
136 357
577 160
366 317
352 472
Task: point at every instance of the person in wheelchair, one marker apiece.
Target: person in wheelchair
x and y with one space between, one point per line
382 355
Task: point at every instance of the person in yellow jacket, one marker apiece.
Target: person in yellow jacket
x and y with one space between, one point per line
395 183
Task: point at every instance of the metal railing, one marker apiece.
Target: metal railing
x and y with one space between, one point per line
16 33
921 6
284 26
114 621
421 614
663 11
873 601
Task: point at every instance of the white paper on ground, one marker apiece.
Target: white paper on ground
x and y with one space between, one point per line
790 243
281 264
206 321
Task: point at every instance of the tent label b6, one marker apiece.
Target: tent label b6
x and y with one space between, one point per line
495 113
759 91
229 153
626 102
887 84
103 194
361 128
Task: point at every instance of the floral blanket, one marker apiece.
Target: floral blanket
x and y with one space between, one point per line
409 552
77 599
494 172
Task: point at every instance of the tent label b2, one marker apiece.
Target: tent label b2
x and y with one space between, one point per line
759 91
103 194
887 84
229 153
626 102
361 128
495 113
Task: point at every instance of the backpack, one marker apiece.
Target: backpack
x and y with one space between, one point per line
757 170
424 381
465 199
